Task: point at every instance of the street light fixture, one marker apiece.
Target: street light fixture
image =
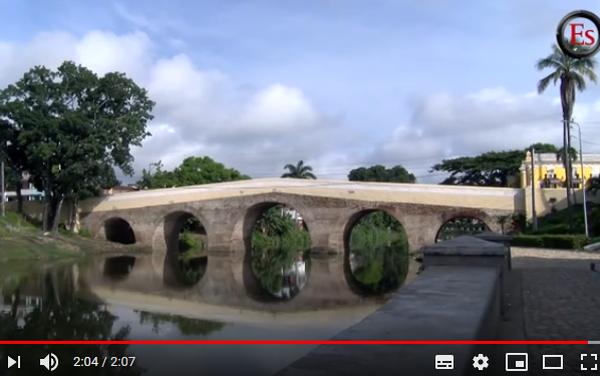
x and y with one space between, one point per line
585 217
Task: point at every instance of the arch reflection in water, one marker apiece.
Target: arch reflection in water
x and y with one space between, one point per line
458 226
377 253
118 267
187 248
279 251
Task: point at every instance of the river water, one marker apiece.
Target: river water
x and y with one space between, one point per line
139 297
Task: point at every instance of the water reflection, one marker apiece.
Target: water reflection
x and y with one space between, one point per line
43 305
378 257
187 326
118 267
82 301
279 252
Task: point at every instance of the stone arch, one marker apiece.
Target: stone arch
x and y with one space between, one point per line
166 243
241 242
354 284
118 230
476 215
246 220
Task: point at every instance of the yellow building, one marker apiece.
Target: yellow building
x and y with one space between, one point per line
550 172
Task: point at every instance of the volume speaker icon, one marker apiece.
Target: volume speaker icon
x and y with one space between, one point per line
50 361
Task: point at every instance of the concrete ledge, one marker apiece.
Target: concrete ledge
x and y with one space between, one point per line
444 302
467 250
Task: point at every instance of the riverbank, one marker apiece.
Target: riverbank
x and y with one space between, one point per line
21 240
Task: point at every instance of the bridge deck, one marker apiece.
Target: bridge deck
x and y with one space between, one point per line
427 194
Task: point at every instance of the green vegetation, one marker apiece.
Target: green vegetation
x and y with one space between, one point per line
277 241
192 171
551 241
396 174
67 128
298 171
191 253
22 241
378 253
493 169
562 229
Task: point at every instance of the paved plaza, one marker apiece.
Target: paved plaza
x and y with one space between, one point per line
554 295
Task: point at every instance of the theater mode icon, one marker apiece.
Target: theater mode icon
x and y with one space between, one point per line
444 362
554 362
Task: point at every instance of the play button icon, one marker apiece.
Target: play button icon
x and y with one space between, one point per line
12 362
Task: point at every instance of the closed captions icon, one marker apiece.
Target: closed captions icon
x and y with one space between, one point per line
444 361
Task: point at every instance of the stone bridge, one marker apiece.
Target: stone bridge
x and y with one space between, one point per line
228 211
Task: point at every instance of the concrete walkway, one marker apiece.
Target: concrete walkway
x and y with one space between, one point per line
555 295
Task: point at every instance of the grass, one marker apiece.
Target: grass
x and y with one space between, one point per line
21 240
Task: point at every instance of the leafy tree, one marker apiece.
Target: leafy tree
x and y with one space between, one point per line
299 171
396 174
488 169
192 171
544 148
572 74
73 127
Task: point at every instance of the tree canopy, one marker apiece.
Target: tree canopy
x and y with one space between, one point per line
192 171
492 168
396 174
68 127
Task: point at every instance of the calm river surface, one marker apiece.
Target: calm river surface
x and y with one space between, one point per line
141 297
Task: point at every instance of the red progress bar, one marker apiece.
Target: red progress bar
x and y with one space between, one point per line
298 342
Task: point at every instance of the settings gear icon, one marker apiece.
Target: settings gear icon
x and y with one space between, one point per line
481 362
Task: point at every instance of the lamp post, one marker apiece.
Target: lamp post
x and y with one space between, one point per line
534 220
2 189
585 217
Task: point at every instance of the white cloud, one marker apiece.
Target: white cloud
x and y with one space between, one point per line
444 125
207 112
198 111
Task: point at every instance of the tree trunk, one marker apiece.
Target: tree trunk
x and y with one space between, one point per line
74 217
47 205
19 195
567 97
45 215
56 217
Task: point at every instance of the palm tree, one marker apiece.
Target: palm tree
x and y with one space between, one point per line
299 171
560 154
572 74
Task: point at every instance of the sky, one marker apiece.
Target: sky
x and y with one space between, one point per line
337 83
